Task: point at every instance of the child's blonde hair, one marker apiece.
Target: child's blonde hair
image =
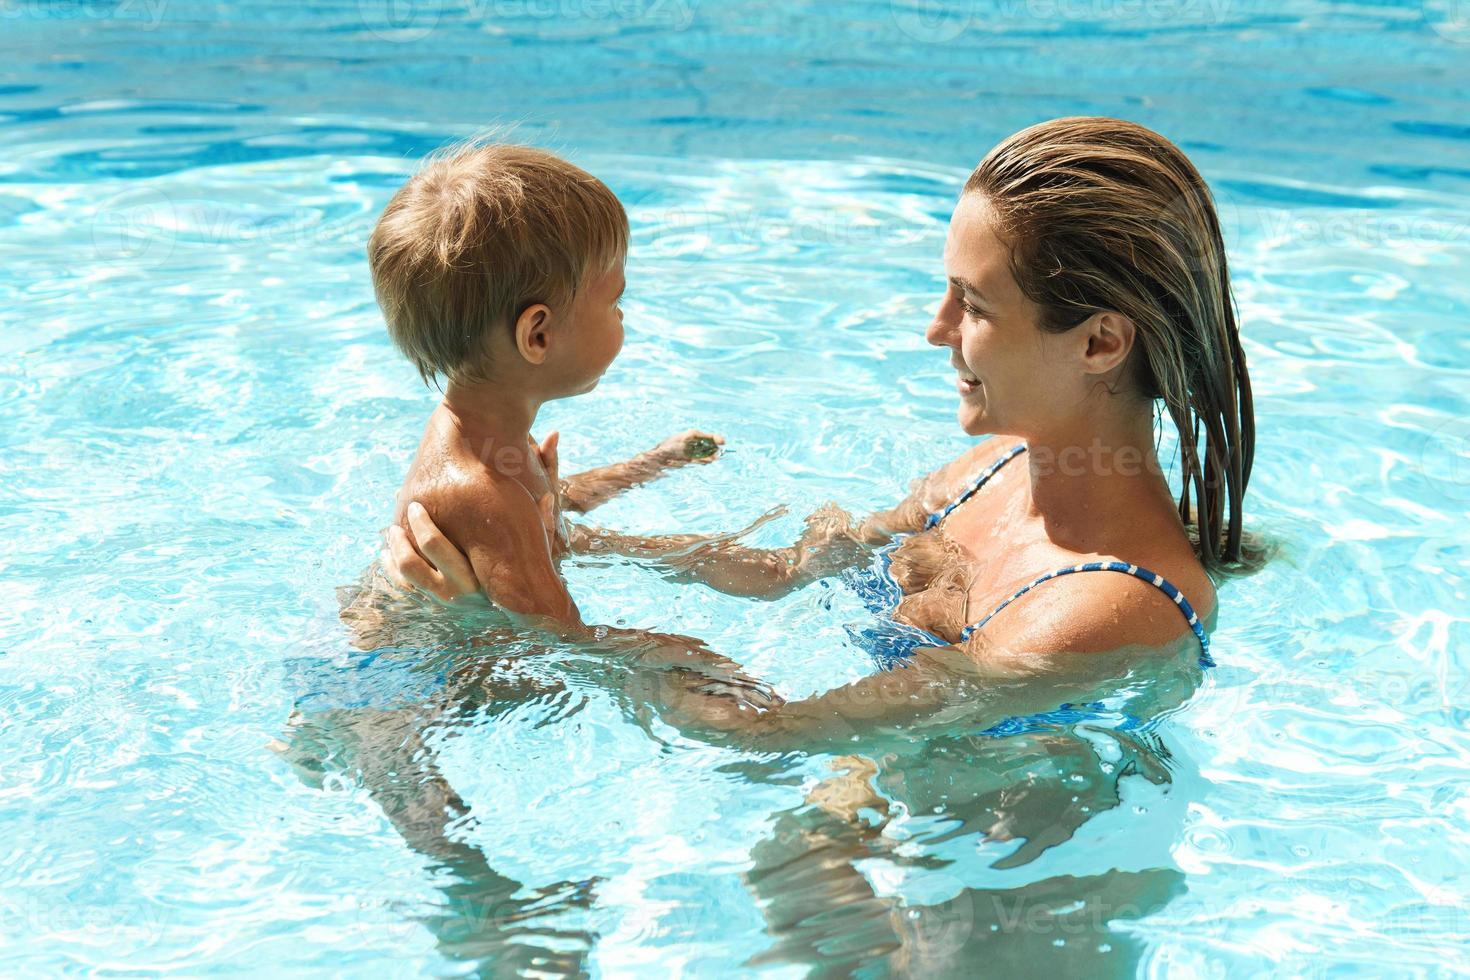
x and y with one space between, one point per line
480 233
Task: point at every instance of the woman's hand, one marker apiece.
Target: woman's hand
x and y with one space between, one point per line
422 559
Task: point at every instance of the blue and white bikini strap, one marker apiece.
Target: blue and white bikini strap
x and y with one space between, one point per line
985 475
1152 578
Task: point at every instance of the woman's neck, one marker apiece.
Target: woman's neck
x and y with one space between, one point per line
1095 481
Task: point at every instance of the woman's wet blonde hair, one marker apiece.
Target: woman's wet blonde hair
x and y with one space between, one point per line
1105 215
481 232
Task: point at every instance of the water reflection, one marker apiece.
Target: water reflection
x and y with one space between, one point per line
379 720
909 855
876 869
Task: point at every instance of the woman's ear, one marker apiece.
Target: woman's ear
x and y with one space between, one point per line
533 333
1109 338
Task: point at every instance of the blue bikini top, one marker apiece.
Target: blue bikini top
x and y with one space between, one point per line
890 641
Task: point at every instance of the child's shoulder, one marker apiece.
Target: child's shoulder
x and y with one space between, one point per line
471 493
482 501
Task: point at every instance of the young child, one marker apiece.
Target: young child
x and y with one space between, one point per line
499 268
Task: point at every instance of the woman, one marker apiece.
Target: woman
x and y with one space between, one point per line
1086 280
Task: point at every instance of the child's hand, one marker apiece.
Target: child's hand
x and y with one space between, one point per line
693 446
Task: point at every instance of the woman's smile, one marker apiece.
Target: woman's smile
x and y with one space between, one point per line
966 383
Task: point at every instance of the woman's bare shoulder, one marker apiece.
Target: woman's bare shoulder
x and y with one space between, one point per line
1107 611
952 479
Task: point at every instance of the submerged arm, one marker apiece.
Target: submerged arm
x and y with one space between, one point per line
965 687
934 689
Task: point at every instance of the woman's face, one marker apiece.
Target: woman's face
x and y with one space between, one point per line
1010 373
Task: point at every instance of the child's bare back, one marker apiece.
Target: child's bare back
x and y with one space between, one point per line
500 503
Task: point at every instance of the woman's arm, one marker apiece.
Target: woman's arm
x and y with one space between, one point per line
422 558
965 687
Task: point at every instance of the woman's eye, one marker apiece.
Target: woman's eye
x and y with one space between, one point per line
973 311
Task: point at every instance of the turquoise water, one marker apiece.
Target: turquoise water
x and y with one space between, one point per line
205 424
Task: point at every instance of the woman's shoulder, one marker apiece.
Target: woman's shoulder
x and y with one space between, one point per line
1127 603
954 478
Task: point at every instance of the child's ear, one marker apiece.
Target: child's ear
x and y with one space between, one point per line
533 332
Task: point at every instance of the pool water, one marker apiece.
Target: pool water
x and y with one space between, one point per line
205 425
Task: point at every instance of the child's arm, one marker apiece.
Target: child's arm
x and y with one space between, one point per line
828 545
830 542
423 558
585 491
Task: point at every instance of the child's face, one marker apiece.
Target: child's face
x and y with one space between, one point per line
595 327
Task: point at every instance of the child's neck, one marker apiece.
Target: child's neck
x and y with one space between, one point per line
491 417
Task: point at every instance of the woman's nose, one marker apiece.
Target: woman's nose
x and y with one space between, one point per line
944 328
